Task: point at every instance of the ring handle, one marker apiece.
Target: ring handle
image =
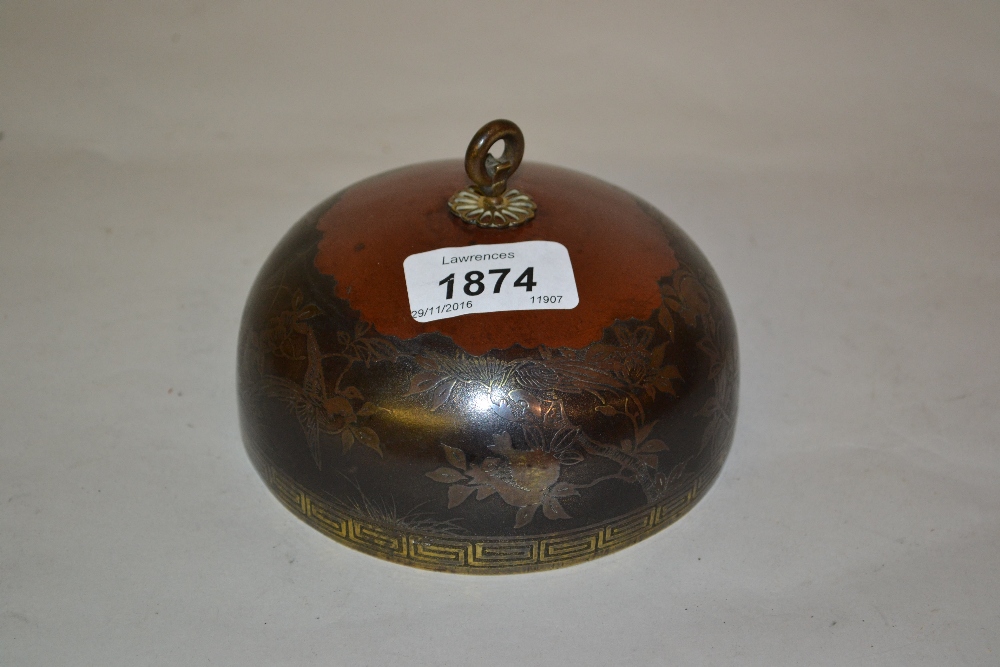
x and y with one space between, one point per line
488 173
488 202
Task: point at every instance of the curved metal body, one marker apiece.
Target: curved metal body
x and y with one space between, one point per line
496 442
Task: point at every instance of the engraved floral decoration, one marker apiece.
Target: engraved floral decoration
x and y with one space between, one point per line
323 410
538 455
530 395
633 363
685 296
524 479
640 445
509 209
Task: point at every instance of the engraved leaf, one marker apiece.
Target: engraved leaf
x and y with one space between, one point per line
643 432
654 445
570 457
457 494
656 358
455 456
675 474
670 372
649 459
478 476
312 441
599 352
694 297
664 379
607 410
374 349
553 509
532 436
563 439
421 382
309 311
446 475
711 406
525 515
483 492
621 333
501 443
367 410
352 392
427 362
563 490
381 349
667 322
287 348
442 393
343 338
643 336
347 439
627 446
360 328
660 481
368 438
338 405
503 410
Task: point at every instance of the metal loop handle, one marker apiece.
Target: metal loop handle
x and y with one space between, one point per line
488 173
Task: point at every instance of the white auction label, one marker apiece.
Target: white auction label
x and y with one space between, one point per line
530 275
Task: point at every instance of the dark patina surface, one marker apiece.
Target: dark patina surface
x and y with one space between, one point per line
496 442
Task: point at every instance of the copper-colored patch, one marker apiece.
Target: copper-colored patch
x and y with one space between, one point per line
619 253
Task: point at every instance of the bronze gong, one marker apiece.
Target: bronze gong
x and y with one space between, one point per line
561 385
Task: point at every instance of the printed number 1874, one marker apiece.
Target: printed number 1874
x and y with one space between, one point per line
474 285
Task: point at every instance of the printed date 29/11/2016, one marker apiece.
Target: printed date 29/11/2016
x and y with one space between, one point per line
443 308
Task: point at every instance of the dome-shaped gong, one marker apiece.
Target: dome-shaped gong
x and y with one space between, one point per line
525 373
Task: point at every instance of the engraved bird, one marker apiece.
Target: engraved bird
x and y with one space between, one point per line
317 412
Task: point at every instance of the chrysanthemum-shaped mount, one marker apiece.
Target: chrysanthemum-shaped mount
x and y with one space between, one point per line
488 203
510 209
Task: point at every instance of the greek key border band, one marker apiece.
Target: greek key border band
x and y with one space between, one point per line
478 555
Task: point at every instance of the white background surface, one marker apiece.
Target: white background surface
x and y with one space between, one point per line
839 163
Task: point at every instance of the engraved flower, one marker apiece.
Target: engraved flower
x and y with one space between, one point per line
280 337
343 420
365 346
633 363
528 480
686 296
